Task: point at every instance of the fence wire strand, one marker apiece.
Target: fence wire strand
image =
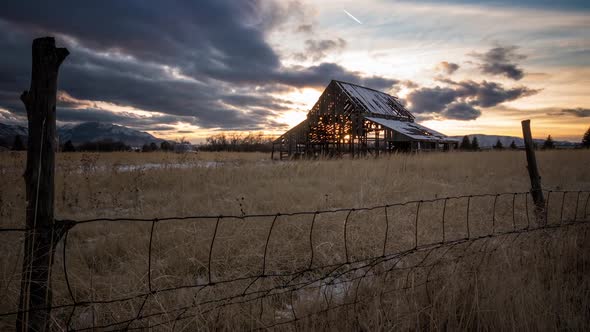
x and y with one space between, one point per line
333 281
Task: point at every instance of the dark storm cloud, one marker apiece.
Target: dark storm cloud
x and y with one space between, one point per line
181 98
318 49
461 111
10 100
180 101
239 100
15 68
450 101
131 54
431 100
577 112
221 39
488 94
261 112
201 37
319 76
501 60
448 67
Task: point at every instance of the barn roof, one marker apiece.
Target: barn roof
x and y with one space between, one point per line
381 108
412 130
373 101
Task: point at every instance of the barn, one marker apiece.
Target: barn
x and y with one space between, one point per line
356 120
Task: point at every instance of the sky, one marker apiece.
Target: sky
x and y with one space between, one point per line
196 68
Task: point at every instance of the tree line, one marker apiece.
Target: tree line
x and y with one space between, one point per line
238 142
473 144
108 145
180 145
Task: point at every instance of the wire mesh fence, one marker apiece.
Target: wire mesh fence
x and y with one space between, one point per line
375 265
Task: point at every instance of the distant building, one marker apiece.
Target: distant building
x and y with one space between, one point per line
352 119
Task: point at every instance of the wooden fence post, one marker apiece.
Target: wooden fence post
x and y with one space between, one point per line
536 188
41 237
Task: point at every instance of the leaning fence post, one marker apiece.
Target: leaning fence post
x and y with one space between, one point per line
40 241
536 189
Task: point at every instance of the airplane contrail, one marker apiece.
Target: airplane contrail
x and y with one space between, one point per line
351 16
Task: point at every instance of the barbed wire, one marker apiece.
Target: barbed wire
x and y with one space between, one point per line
332 277
314 275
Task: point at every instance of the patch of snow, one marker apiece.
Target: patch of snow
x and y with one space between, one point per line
374 101
411 129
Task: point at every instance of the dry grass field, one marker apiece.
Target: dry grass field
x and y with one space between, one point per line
537 280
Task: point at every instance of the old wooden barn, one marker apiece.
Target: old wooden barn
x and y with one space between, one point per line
356 120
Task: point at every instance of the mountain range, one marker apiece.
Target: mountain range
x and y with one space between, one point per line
8 133
84 132
97 131
488 141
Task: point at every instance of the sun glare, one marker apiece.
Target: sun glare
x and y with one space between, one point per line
303 100
292 118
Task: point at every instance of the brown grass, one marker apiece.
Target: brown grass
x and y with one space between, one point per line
536 281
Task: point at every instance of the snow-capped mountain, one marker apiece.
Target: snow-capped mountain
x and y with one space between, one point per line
83 132
98 131
9 132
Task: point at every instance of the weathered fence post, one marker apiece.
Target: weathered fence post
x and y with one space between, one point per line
536 189
40 241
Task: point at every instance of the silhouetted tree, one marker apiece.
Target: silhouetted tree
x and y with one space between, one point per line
549 144
18 144
499 145
166 146
238 142
586 139
474 144
69 147
513 145
465 143
149 147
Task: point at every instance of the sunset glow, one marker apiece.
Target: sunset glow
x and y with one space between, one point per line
263 65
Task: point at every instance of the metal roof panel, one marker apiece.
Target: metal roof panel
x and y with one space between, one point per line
374 101
411 129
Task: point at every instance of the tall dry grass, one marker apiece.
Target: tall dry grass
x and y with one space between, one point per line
535 282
